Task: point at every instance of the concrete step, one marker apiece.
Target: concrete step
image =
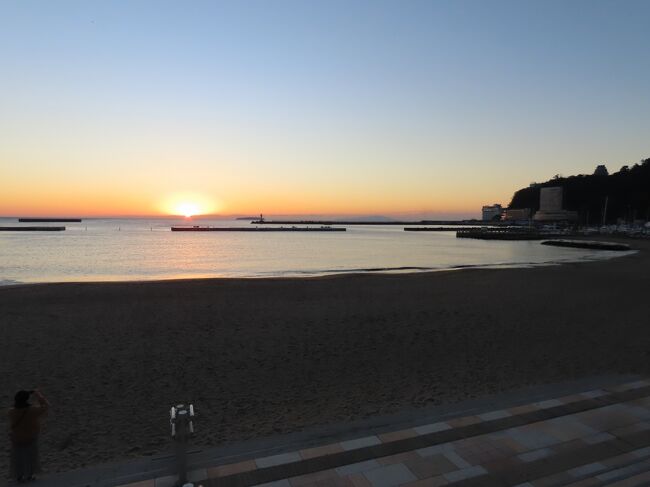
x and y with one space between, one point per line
629 475
608 472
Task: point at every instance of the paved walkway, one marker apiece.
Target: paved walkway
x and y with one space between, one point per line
597 437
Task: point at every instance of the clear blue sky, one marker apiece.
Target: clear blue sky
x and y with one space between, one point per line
429 107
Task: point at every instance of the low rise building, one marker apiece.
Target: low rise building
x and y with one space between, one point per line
492 212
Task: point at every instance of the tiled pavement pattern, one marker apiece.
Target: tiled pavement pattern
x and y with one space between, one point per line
600 437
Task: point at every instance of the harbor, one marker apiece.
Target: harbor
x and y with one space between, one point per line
527 233
438 229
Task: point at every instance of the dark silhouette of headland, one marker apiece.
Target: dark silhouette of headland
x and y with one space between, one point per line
598 198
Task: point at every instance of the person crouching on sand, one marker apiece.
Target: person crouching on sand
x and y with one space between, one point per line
25 426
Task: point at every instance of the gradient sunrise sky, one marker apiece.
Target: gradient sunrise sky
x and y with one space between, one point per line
332 107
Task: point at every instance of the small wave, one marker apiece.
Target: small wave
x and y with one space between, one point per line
354 270
9 282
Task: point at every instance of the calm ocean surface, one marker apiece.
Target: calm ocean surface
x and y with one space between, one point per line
140 249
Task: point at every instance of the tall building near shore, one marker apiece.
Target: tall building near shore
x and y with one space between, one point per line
551 201
492 212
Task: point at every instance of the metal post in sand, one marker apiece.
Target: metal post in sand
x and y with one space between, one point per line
182 425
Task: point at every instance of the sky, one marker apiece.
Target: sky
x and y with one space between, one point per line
409 108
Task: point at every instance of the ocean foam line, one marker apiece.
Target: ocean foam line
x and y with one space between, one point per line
371 269
605 255
9 282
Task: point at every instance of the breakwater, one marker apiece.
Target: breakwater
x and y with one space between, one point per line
471 223
265 229
49 220
32 229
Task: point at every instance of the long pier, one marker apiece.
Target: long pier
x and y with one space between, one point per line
265 229
355 222
32 229
49 220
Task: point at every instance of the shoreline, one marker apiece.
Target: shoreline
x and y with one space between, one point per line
268 356
346 272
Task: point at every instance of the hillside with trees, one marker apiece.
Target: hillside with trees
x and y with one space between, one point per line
627 193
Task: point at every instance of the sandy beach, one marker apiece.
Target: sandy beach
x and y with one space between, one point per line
265 356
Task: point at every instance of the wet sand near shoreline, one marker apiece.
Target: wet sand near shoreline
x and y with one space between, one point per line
264 356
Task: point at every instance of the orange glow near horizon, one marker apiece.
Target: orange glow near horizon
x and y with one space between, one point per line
201 193
76 203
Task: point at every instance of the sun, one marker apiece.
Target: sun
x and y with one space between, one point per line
188 204
188 209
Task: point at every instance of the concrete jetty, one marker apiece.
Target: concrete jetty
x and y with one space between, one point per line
49 220
32 229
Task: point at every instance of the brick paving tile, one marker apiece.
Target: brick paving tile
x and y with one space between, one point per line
588 469
642 479
432 466
506 444
311 478
593 394
456 459
435 449
280 459
619 459
632 428
320 451
535 454
430 482
397 435
493 415
568 446
390 475
465 473
399 458
332 482
431 428
359 480
357 467
598 438
590 482
503 465
360 442
167 481
464 421
572 398
623 472
642 452
144 483
526 408
553 480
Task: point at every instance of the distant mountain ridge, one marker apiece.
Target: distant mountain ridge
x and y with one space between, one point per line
627 193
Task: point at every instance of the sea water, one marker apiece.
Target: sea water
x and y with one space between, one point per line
144 249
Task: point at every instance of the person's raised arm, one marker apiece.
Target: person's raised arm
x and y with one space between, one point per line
42 401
